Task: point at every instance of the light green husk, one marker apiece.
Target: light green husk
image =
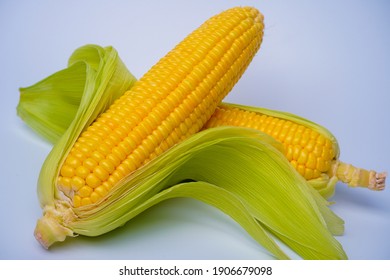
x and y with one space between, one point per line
50 106
240 171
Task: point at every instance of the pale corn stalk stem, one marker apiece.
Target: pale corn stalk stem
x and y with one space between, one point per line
358 177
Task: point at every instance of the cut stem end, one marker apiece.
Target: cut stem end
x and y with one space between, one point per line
50 228
359 177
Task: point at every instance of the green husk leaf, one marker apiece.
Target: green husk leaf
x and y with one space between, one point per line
223 200
50 105
245 164
324 185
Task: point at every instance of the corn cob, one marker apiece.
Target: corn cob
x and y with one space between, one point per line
311 149
169 103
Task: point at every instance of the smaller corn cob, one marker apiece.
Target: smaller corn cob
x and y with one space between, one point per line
311 149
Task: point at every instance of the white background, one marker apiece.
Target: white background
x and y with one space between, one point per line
328 61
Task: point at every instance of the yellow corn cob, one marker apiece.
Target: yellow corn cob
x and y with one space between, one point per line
310 149
168 104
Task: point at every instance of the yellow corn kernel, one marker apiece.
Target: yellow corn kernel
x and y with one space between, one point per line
85 191
82 171
296 152
172 101
101 190
89 164
77 183
92 180
94 197
301 169
72 161
76 201
101 173
311 161
67 171
311 144
85 201
308 173
309 152
321 164
66 182
303 156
